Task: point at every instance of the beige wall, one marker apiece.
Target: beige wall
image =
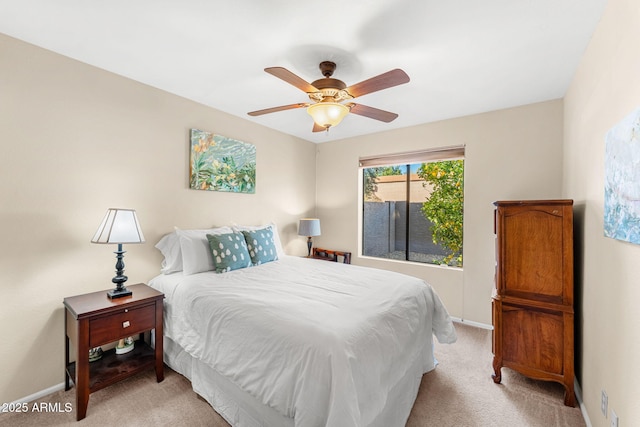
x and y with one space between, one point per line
605 89
76 140
510 154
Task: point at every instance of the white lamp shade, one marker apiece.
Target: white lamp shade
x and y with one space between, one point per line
119 226
328 114
309 227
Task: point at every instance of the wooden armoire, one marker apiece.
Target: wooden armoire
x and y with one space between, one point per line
533 295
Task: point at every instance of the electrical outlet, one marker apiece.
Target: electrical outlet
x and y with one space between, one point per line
614 419
604 402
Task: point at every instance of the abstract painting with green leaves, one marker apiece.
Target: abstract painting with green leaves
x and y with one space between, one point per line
219 163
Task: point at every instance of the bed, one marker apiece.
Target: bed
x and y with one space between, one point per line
301 342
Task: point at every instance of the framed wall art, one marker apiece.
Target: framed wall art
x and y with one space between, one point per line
219 163
622 180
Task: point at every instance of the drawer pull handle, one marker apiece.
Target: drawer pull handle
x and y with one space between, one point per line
126 324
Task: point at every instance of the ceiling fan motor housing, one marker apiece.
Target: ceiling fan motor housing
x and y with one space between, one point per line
329 89
330 92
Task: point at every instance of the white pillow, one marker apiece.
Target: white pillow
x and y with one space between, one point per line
169 245
274 228
196 253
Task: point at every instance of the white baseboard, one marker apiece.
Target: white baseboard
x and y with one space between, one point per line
583 409
38 395
472 323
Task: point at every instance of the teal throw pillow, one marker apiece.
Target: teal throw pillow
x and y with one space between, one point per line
229 251
261 246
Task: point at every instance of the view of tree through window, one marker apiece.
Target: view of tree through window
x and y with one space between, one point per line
414 212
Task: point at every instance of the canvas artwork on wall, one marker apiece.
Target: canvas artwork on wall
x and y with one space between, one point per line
218 163
622 180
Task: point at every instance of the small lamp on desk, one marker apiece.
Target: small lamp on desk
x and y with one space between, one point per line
309 227
119 226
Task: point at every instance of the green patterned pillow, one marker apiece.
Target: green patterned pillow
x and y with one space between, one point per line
261 246
229 251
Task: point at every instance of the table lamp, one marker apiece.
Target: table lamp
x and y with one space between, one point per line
309 227
119 226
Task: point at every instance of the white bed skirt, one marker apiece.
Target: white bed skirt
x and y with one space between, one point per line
243 410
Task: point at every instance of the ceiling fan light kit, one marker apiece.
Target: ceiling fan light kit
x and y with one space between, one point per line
328 114
327 95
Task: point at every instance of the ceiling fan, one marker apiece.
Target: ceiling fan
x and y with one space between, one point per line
329 94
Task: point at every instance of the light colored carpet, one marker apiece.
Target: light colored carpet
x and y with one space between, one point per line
459 392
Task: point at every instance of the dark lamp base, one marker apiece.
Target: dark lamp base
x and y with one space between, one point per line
120 290
309 245
119 293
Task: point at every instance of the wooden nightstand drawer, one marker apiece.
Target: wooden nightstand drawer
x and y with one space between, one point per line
120 325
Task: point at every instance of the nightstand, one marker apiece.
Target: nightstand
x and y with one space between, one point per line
93 320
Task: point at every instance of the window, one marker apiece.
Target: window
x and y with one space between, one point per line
412 207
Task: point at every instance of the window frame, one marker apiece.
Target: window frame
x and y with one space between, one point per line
404 160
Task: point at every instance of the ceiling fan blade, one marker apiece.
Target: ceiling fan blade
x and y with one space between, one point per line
289 77
383 81
373 113
276 109
318 128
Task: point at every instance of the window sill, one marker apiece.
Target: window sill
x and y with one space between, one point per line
411 263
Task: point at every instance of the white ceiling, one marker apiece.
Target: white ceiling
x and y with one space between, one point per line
463 56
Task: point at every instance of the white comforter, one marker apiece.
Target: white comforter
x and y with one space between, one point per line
320 342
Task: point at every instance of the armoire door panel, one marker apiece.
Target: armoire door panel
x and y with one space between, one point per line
533 339
534 261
